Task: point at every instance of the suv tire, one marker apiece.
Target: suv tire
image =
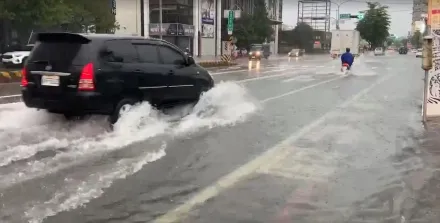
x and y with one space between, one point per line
122 107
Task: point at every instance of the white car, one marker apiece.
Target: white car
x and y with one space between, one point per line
419 53
16 58
379 51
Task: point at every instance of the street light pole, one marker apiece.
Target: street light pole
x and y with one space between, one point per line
160 19
337 12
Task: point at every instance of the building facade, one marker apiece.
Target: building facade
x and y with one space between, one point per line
420 9
193 24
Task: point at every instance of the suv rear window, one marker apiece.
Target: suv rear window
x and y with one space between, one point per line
60 52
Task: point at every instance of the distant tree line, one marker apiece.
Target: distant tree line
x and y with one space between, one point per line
67 15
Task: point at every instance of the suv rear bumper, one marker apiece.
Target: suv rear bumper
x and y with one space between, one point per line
80 103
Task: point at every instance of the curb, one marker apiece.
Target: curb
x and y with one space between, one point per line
10 76
216 63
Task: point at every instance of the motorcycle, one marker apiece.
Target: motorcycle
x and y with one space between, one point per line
344 68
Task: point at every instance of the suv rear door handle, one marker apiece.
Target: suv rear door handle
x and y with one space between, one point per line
170 72
138 71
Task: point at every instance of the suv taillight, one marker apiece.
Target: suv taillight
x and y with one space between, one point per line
86 80
24 81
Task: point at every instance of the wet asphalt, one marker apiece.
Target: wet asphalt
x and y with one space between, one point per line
320 147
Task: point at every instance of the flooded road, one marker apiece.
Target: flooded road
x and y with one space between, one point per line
288 141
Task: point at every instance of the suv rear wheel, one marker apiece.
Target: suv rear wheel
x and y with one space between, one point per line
122 108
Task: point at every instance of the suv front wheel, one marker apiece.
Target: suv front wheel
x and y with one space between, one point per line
122 108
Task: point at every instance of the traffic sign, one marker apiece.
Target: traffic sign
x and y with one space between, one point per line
230 22
360 16
344 16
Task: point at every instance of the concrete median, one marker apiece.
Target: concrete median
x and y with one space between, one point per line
10 76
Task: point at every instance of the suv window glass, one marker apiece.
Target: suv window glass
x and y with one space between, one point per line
60 53
122 49
170 56
147 53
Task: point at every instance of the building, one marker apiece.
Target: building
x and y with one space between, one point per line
420 10
316 13
186 23
196 24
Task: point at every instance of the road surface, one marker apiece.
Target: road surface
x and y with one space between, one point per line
289 141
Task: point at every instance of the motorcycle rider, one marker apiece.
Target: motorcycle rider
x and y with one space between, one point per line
347 58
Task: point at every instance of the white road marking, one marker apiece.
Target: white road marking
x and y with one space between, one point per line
271 76
243 70
247 169
263 68
290 79
10 96
300 89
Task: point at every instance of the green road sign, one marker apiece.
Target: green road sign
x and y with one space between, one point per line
230 22
344 16
360 16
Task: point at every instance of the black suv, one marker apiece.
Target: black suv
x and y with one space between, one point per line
80 74
403 50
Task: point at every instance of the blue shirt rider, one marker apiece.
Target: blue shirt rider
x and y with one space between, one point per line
347 58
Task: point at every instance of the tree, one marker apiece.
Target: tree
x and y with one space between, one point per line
42 13
303 36
390 41
92 16
404 42
417 39
375 25
95 15
255 28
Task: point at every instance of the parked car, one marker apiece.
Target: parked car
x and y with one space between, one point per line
16 58
296 53
81 74
379 51
419 53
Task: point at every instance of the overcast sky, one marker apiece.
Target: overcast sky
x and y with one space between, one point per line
400 11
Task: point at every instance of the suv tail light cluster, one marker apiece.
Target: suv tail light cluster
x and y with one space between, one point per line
86 80
24 81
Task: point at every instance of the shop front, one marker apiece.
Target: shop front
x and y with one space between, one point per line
182 35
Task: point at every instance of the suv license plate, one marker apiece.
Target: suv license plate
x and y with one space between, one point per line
50 81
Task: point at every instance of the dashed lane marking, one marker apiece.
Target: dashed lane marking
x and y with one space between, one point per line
10 96
266 69
247 169
295 71
300 89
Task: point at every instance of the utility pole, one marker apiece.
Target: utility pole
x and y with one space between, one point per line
160 19
142 18
337 11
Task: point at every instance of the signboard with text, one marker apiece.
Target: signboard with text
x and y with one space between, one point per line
171 29
433 89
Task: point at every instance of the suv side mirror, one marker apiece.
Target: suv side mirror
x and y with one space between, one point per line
190 61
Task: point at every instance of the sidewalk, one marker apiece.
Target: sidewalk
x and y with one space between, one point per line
424 183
